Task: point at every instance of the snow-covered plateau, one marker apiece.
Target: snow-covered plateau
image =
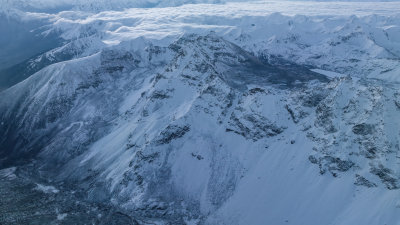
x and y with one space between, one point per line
199 112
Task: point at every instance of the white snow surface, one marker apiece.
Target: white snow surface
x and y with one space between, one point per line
46 189
240 150
100 5
355 38
328 73
8 173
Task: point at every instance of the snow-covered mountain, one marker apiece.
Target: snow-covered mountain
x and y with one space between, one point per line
96 5
104 5
235 113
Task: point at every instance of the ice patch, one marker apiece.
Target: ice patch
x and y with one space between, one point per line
327 73
47 189
8 173
61 216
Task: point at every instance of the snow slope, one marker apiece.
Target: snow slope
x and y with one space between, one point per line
266 112
95 5
360 39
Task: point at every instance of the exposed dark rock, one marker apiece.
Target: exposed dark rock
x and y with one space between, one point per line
337 163
148 158
324 118
199 157
313 159
291 113
362 181
253 127
158 94
172 132
332 164
386 176
397 103
256 90
24 202
311 97
118 218
370 149
363 129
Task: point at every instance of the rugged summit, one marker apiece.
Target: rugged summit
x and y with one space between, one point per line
214 125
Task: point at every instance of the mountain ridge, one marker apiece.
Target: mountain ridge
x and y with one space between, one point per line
253 119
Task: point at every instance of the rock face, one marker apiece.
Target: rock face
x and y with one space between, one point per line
201 130
27 202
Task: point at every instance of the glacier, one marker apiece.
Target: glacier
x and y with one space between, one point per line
200 112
